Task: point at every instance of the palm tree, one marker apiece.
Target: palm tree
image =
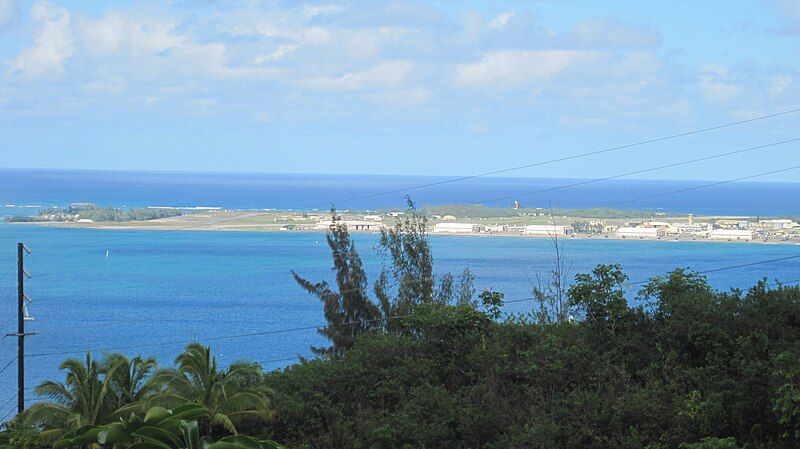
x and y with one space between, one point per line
159 429
228 395
84 398
129 383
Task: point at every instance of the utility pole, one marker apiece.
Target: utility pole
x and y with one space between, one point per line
22 316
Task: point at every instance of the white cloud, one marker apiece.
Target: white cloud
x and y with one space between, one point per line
607 33
404 97
390 74
152 48
715 86
779 84
277 54
52 48
502 20
128 34
7 10
211 60
515 68
319 10
273 26
396 54
789 14
105 87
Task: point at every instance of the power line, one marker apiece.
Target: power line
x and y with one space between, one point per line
730 267
13 267
493 172
716 183
564 158
703 186
6 403
8 364
638 172
217 338
3 419
302 328
285 359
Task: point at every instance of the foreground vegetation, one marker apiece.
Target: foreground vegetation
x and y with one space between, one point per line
420 361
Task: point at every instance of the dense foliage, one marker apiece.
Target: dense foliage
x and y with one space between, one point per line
159 428
690 368
97 393
696 367
407 279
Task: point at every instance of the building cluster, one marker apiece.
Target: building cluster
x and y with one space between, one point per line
472 228
721 229
363 223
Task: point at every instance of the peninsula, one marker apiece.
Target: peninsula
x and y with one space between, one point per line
462 220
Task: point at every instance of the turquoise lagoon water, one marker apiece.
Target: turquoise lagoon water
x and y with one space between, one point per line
158 290
163 289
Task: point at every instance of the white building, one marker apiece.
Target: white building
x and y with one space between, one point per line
731 234
373 218
548 230
640 232
352 225
776 225
656 224
456 228
696 229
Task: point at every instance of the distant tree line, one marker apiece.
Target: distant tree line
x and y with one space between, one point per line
482 211
94 213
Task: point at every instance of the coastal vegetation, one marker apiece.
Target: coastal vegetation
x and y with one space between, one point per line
85 211
599 223
419 360
482 211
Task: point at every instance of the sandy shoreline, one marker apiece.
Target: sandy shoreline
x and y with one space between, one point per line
173 225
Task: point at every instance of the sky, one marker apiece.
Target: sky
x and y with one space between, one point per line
398 87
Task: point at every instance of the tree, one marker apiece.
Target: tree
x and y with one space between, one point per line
599 295
160 429
407 265
84 398
712 443
408 271
224 393
129 383
349 311
786 403
550 289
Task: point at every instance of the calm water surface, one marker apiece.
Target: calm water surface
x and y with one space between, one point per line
162 289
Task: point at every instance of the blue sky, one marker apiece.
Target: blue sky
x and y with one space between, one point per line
443 87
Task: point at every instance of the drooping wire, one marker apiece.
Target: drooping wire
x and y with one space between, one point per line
487 173
673 192
302 328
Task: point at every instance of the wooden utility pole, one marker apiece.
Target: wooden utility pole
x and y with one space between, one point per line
22 315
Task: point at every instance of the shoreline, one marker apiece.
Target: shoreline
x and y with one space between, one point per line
161 226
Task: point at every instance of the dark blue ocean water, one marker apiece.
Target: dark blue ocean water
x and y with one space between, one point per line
282 191
161 289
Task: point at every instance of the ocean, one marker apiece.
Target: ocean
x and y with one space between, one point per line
155 291
23 187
